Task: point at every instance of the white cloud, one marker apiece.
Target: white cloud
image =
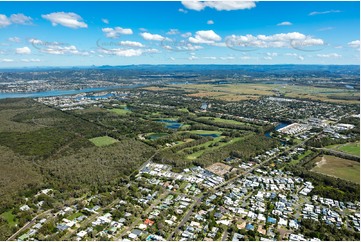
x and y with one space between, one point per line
172 58
23 50
6 60
324 12
301 58
267 58
181 10
227 58
219 5
354 44
14 39
156 37
271 54
186 35
131 43
205 37
326 28
104 20
4 21
116 32
295 55
210 58
70 20
210 22
331 55
56 48
286 23
127 52
173 31
30 60
20 19
193 57
294 39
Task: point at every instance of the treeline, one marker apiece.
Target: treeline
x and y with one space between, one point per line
321 142
324 232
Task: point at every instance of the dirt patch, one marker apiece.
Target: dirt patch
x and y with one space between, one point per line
219 169
322 162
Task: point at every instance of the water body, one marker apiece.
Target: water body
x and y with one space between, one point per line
209 135
52 93
279 126
170 124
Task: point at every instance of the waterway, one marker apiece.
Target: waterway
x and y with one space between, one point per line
279 126
52 93
170 124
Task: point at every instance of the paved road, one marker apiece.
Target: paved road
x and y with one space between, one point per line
27 225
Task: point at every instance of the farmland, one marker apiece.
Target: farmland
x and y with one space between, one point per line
338 167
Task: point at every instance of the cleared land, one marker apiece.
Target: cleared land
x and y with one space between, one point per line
349 148
245 91
221 120
103 141
338 167
9 217
120 111
219 168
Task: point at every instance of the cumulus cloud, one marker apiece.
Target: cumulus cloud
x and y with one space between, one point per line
156 37
4 21
324 12
18 18
104 20
354 44
300 57
23 50
227 58
286 23
56 48
193 57
70 20
14 39
210 58
116 32
331 55
272 54
205 37
131 44
186 35
294 40
210 22
219 5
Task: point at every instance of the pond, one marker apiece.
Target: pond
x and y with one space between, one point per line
156 136
170 124
209 135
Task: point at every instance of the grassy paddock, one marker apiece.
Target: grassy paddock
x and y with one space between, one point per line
349 148
103 141
338 167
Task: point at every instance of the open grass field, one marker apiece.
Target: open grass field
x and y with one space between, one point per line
300 157
338 167
220 120
205 132
103 141
246 91
120 111
349 148
9 217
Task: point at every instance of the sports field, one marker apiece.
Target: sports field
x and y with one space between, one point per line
338 167
103 141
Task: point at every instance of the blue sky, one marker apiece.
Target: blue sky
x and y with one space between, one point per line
123 33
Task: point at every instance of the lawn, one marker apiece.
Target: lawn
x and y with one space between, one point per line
103 141
220 120
9 217
349 148
120 111
338 167
300 157
205 132
75 215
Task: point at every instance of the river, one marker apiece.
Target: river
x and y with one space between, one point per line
52 93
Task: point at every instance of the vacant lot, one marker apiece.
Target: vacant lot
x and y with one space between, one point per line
103 141
338 167
9 217
350 148
219 169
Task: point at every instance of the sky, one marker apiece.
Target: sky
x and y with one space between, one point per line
190 32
